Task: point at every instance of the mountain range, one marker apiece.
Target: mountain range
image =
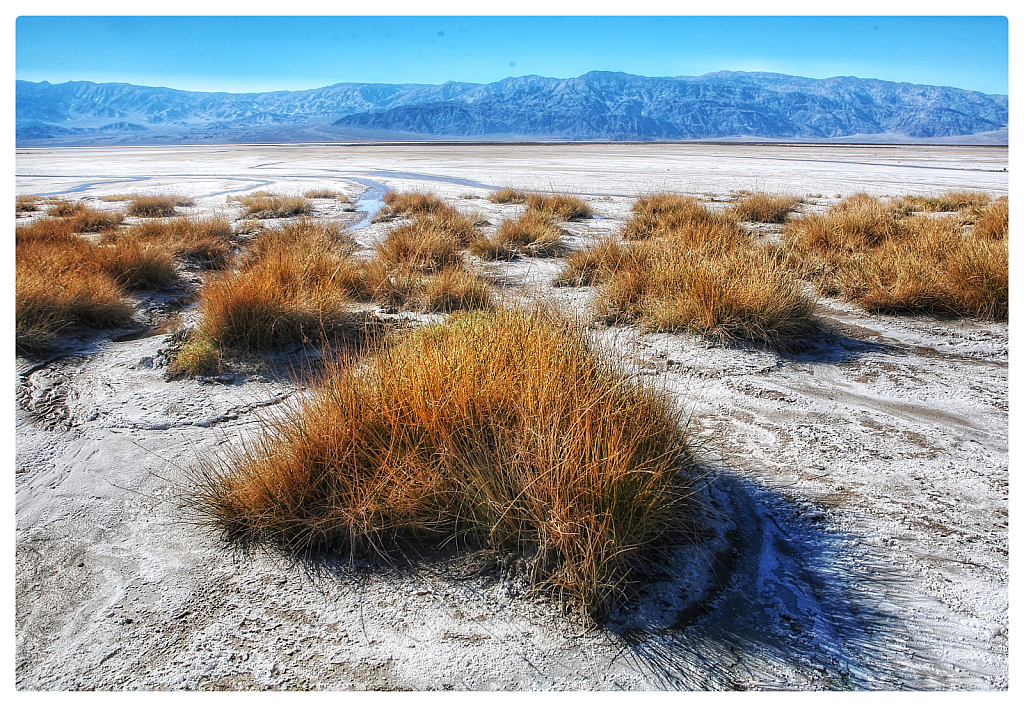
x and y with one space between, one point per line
595 106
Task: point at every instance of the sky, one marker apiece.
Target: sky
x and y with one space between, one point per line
242 54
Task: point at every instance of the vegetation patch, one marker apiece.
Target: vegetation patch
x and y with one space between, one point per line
663 214
26 203
208 242
764 208
413 204
952 201
507 195
874 254
533 234
157 205
265 205
195 358
84 219
326 193
293 285
560 206
504 430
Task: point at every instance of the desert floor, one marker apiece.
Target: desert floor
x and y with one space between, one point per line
858 491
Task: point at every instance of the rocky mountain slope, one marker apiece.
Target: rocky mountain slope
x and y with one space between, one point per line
595 106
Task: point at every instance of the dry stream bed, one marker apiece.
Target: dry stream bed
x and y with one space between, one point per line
857 492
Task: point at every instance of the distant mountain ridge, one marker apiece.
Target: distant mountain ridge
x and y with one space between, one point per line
594 106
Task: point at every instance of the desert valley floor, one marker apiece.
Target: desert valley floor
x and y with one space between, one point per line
859 489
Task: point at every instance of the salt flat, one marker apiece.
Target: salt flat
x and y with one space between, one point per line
859 489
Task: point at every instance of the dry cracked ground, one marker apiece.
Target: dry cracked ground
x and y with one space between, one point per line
856 493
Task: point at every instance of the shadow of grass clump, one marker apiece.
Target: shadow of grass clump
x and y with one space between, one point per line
506 430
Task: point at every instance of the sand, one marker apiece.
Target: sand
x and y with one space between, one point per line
857 493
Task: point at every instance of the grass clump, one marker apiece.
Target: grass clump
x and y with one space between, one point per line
507 195
874 254
26 203
994 220
84 219
764 208
292 286
661 214
506 430
157 205
533 234
952 201
208 242
265 205
706 276
412 204
195 358
325 193
560 207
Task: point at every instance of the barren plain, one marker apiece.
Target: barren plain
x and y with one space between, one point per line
857 491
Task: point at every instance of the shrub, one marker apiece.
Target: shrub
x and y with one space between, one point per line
503 429
264 205
560 207
507 195
764 208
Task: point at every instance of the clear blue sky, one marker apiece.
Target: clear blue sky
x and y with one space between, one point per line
273 53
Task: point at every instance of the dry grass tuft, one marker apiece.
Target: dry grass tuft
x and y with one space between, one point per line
875 255
994 220
26 203
265 205
157 205
594 264
412 204
764 208
507 195
430 242
561 207
507 430
290 287
326 193
196 357
661 214
952 201
533 234
82 218
455 289
207 242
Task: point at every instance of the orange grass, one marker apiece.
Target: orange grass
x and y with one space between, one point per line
26 203
412 204
952 201
660 214
764 208
157 205
208 242
82 218
873 254
560 206
290 287
533 234
507 195
504 429
265 205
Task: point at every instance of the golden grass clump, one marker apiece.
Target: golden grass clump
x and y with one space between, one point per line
594 264
994 220
429 242
412 204
561 207
265 205
206 241
157 205
83 218
502 429
26 203
196 357
534 233
891 262
951 201
507 195
325 193
764 208
290 287
660 214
